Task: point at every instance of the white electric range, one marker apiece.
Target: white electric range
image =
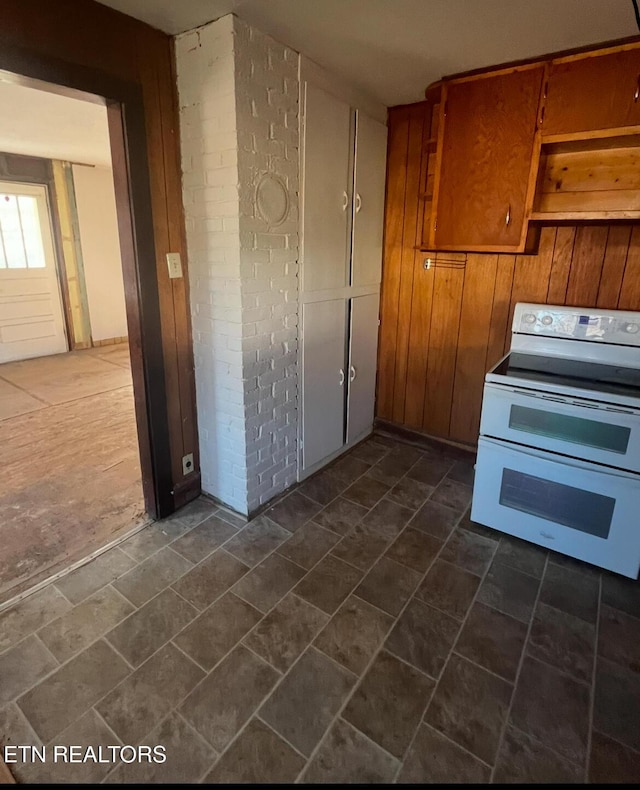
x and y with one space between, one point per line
559 450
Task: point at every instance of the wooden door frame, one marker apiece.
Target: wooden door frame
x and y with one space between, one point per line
125 113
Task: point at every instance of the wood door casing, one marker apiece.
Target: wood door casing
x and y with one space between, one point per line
586 93
486 157
44 38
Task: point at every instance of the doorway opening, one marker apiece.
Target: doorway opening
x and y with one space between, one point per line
84 444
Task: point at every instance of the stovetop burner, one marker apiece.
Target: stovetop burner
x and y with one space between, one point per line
585 375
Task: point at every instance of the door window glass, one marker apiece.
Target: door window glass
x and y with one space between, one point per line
20 236
577 430
572 507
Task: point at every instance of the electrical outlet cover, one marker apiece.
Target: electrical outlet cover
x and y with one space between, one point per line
187 464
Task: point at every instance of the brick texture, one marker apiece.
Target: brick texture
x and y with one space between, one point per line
238 91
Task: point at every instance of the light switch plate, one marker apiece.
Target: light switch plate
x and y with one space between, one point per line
175 265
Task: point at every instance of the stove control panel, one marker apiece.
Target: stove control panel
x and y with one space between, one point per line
576 323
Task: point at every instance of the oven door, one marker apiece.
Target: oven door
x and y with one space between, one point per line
571 426
586 511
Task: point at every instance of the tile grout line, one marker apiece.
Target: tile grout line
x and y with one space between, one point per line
256 715
544 746
60 665
53 580
368 738
95 702
455 641
373 658
176 706
241 643
592 690
618 741
563 672
184 653
168 545
255 712
138 563
41 641
137 608
102 637
516 680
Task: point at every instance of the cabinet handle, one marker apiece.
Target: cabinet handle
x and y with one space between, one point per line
352 373
358 203
636 95
507 219
341 377
345 201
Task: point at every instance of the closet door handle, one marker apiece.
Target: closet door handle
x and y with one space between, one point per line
507 219
636 95
345 201
341 377
358 203
352 373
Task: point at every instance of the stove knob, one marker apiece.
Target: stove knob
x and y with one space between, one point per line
529 318
547 320
632 328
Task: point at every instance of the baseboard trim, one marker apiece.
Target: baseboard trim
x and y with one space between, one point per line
421 439
109 341
186 490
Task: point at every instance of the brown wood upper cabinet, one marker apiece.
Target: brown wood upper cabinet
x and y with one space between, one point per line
487 161
593 91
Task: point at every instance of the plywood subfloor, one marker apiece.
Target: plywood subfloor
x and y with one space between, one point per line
70 467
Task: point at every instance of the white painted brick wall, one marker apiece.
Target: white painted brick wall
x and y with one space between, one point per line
238 92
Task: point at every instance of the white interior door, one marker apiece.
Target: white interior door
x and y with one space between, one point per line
326 191
31 317
370 176
323 379
363 350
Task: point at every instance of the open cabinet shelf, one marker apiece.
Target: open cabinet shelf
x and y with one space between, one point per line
595 178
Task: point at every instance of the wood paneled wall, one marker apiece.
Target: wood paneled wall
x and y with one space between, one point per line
443 328
88 34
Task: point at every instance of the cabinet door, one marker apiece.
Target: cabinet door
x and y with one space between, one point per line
363 349
326 224
486 152
597 92
323 378
370 173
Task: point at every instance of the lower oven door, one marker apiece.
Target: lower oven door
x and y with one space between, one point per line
572 426
576 508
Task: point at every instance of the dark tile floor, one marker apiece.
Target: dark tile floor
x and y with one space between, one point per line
361 630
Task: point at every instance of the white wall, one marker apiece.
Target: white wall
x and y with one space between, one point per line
97 219
209 143
238 92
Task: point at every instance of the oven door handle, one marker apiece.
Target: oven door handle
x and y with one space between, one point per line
605 408
545 455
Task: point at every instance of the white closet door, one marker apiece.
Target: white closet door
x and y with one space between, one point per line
370 175
323 378
363 351
327 191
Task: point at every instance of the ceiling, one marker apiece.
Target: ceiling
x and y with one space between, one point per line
393 49
53 126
